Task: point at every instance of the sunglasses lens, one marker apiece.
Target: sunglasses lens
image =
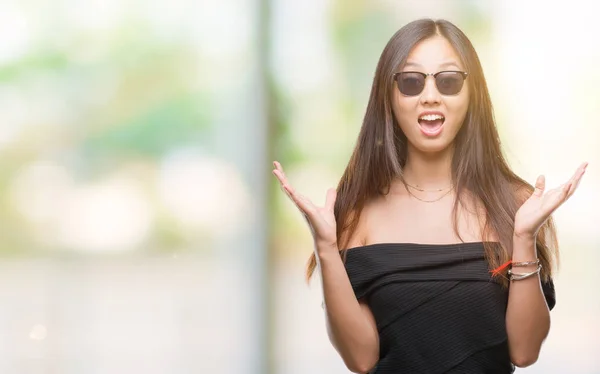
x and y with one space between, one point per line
449 83
411 84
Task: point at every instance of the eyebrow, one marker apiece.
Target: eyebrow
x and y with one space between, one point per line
444 64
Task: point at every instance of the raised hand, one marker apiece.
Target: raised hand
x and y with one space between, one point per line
536 210
321 220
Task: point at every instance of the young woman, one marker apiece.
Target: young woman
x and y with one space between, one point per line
434 256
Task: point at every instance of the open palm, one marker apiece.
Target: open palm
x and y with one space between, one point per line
536 210
321 220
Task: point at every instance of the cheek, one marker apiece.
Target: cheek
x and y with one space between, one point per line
458 109
404 111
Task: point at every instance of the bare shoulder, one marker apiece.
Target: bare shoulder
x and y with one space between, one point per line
358 236
370 216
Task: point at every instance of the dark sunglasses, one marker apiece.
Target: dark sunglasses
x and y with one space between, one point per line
412 83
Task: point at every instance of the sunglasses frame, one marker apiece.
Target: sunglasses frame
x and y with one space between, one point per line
425 75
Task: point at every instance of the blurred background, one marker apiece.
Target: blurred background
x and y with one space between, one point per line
141 229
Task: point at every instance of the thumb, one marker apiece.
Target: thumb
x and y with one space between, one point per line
540 185
330 199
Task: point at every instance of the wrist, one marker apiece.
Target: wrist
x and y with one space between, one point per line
327 259
523 235
524 248
326 249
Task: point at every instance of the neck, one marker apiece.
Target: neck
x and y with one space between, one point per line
428 170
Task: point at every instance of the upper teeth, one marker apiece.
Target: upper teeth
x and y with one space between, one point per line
431 117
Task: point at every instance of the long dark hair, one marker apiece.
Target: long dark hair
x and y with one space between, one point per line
479 169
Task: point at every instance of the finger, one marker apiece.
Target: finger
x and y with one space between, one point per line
330 199
540 185
286 187
575 183
289 190
578 172
280 176
278 167
565 190
305 205
295 200
301 202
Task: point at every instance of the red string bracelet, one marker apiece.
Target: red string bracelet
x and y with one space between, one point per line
501 268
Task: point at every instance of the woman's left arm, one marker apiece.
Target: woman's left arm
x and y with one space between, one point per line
527 313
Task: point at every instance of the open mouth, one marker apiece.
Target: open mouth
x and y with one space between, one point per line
431 124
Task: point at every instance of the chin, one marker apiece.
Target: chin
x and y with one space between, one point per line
432 146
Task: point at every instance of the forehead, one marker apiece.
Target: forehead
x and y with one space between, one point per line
432 55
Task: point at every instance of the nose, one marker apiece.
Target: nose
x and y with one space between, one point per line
430 94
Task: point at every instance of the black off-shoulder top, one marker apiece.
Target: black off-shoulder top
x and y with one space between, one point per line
437 308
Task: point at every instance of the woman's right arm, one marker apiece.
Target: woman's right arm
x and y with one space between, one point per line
350 324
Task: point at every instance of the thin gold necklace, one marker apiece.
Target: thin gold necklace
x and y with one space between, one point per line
423 190
429 201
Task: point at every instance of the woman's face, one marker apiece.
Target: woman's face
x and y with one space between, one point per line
430 120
